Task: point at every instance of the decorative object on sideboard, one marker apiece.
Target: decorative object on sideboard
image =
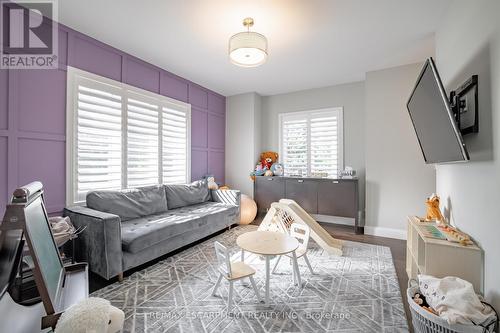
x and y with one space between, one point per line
278 169
347 173
248 48
258 171
248 209
268 158
433 210
319 174
264 168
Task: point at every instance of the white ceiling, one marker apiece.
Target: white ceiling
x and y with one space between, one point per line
312 43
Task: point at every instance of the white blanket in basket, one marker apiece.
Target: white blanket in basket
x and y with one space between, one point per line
454 300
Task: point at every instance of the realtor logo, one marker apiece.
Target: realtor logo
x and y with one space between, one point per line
29 34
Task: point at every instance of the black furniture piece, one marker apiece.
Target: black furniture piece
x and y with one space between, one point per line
323 198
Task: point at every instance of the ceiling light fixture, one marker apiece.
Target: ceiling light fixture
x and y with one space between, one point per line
248 48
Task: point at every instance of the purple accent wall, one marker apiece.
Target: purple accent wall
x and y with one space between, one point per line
33 115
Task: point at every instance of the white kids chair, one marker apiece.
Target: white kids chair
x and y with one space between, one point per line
301 232
232 271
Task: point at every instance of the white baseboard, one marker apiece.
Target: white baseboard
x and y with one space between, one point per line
386 232
333 219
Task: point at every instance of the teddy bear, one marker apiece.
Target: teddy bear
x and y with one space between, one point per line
92 314
433 211
267 159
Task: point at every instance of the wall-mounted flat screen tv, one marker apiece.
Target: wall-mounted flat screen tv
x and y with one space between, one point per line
430 112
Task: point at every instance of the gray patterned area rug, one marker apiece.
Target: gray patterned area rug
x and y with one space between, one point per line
357 292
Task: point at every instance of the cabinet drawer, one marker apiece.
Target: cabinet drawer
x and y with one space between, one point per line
337 198
268 190
304 192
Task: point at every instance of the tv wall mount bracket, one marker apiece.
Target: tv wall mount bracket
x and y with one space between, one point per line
465 106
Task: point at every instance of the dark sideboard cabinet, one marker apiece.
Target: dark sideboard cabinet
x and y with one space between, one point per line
321 197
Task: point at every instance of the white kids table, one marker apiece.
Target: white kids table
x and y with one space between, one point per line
270 244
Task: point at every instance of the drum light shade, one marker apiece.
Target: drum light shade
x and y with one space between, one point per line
248 49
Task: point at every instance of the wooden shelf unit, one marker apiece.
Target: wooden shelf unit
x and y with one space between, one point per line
440 258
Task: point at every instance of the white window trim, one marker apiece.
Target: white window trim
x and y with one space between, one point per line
71 135
307 113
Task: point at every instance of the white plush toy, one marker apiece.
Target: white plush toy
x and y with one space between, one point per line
92 315
212 185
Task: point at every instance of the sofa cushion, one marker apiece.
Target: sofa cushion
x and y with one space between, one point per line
187 194
129 204
141 233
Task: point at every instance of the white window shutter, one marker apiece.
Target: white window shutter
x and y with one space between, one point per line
142 141
175 147
119 136
294 145
98 138
311 142
324 143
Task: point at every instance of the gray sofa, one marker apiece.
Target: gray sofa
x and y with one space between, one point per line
128 228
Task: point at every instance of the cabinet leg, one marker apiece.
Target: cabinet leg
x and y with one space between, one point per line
359 230
120 277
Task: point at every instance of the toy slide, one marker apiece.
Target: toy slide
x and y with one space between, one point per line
282 214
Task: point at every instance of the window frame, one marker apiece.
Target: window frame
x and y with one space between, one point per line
73 76
307 115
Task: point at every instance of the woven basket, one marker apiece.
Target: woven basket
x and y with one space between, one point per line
425 322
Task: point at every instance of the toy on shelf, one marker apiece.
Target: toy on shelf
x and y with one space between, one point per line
432 231
278 169
454 235
259 171
267 160
282 214
445 232
433 211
